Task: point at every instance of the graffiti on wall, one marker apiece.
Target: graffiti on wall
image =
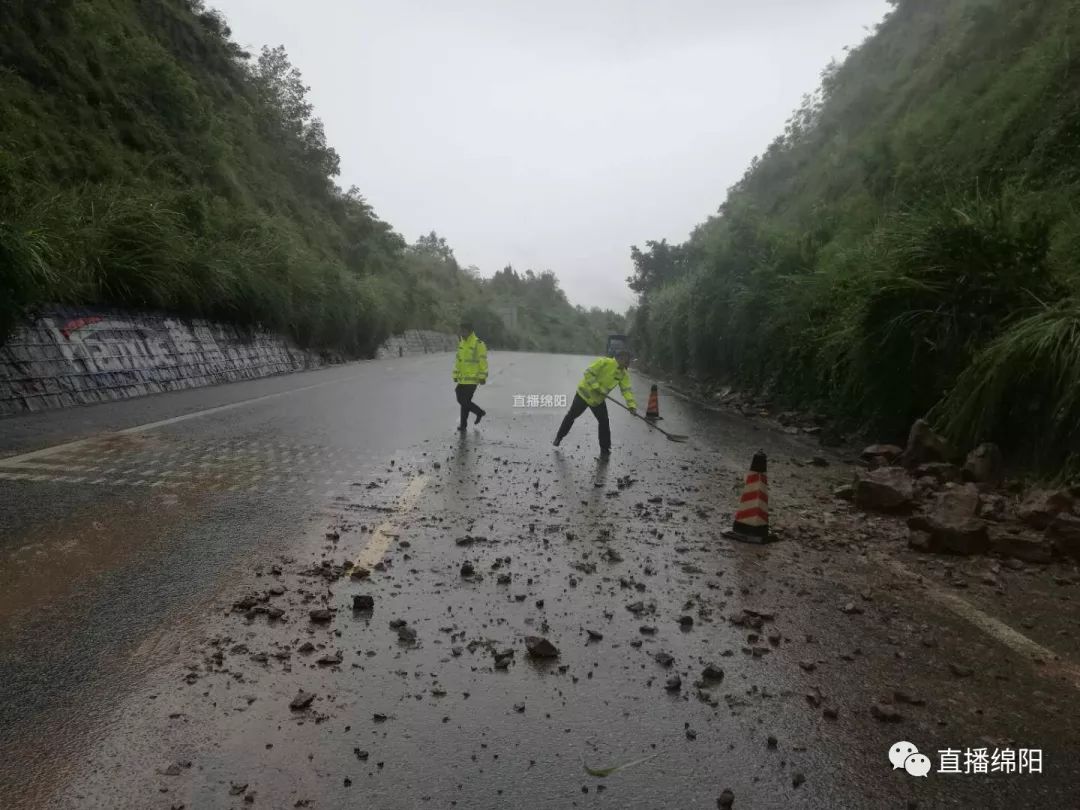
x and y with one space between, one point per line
107 345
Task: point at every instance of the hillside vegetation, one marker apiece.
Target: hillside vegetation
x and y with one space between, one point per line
909 245
147 161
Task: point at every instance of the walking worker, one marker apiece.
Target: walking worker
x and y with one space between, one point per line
600 377
470 370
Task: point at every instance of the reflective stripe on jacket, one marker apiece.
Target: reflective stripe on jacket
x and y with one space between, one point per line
470 367
600 377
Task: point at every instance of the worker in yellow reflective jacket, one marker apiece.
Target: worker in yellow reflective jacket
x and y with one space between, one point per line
600 377
470 370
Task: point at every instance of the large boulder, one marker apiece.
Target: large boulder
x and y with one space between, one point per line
924 445
942 472
1064 531
1021 544
993 506
881 455
951 524
1041 506
985 465
887 489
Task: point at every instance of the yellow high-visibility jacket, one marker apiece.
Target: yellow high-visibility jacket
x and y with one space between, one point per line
470 367
600 377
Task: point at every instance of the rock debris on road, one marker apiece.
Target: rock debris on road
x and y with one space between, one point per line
497 620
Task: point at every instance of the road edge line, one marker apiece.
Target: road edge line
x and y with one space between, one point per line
1050 661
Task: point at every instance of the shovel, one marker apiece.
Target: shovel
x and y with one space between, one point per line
672 437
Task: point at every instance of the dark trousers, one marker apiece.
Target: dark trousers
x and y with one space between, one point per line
577 408
464 397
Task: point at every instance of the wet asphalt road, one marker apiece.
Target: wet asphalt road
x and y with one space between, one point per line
136 672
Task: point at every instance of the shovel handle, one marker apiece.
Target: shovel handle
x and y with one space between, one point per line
675 437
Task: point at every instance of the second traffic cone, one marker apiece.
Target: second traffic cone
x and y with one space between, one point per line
652 410
752 517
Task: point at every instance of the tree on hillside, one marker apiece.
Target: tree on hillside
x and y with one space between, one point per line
659 264
435 246
281 88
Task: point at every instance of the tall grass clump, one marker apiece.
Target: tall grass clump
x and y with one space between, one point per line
1023 389
928 289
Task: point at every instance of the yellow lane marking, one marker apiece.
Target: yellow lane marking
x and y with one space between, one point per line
385 532
1053 664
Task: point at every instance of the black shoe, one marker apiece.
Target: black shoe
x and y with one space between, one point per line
461 428
558 441
480 416
605 453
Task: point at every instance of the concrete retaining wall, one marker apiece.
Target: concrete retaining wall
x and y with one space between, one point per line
417 341
77 356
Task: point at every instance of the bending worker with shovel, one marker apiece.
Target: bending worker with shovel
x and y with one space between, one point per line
600 378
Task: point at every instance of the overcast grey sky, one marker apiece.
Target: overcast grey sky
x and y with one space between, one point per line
552 135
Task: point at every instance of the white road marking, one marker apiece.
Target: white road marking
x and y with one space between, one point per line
385 533
995 628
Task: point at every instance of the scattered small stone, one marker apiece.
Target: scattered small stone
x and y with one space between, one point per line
321 615
363 601
330 660
797 778
540 647
674 683
885 713
960 671
686 621
712 673
301 701
467 569
726 800
903 697
844 492
664 659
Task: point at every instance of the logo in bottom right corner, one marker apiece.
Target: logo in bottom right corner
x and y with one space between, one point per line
905 756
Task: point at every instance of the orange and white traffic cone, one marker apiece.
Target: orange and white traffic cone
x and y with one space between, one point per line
752 516
652 410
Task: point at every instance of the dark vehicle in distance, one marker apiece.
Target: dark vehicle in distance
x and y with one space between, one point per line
616 343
